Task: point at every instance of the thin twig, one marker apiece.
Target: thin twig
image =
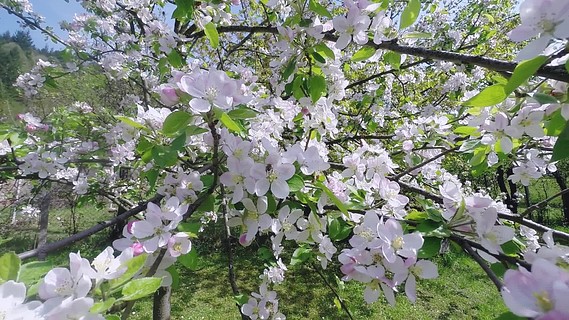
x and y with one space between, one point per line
342 303
398 176
543 203
482 264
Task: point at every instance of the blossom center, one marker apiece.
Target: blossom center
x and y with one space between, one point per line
210 94
397 243
543 301
547 26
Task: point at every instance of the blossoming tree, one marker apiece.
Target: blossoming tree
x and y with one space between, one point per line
322 125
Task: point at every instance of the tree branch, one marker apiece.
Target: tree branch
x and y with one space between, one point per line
53 246
551 72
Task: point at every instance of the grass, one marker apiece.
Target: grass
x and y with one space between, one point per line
462 290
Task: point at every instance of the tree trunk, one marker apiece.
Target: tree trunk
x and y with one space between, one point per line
43 222
161 305
116 230
510 202
564 197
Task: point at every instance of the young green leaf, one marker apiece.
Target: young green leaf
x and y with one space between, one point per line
318 8
211 34
364 53
9 266
490 96
140 288
317 87
524 70
410 14
561 147
229 123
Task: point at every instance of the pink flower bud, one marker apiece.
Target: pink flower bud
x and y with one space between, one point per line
137 248
243 240
129 226
168 95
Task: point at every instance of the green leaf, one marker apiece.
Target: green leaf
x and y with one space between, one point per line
9 266
164 156
318 57
176 122
175 276
241 299
191 228
195 130
300 255
32 272
318 8
364 53
416 215
140 288
479 156
554 126
229 123
523 71
130 122
190 260
325 50
143 145
431 247
289 69
498 269
567 65
265 254
431 228
152 177
184 10
511 248
469 145
417 35
103 306
317 87
242 113
212 35
175 59
543 98
296 183
179 143
339 230
133 266
341 206
410 14
490 96
393 59
467 131
112 317
297 86
561 147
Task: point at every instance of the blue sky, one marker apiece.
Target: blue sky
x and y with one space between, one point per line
53 11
